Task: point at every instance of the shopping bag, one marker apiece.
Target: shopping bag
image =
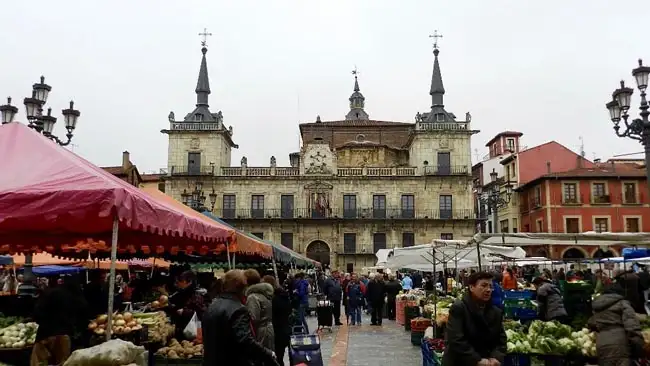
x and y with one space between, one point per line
191 329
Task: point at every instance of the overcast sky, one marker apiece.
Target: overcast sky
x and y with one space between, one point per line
545 68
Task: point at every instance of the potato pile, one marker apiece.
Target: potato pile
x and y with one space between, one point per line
184 349
162 302
122 324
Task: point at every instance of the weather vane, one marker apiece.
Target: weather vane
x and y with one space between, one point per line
355 72
435 37
205 36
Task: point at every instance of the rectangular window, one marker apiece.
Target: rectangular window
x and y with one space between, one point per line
570 193
446 206
349 243
193 163
510 143
489 227
257 206
350 206
503 225
629 193
507 172
572 225
161 187
515 226
379 207
286 206
632 224
601 225
447 236
286 239
259 235
599 193
229 206
537 197
408 206
444 163
378 241
408 240
349 268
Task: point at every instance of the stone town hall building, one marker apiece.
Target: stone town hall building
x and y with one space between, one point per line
357 185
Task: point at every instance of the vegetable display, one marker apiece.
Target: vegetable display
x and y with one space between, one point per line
6 321
551 338
122 324
19 335
184 349
162 302
159 327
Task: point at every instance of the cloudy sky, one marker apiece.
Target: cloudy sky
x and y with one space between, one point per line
545 68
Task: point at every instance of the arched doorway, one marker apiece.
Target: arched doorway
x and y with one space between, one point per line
573 253
319 251
600 253
541 252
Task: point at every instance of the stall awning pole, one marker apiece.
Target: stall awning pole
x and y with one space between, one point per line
275 269
111 280
228 256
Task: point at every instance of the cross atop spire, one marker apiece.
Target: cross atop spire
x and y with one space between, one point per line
355 72
205 35
435 37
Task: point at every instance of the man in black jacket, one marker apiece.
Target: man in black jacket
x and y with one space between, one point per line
376 293
334 293
393 287
475 335
227 329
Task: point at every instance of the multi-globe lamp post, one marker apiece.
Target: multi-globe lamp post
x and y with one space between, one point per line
196 198
493 199
638 128
43 124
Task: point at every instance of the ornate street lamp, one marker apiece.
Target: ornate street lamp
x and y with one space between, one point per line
638 128
196 198
493 197
44 124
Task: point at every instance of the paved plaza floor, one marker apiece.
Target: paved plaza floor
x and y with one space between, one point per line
353 345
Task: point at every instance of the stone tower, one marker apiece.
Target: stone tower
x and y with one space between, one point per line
199 144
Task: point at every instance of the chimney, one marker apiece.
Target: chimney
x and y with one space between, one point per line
548 167
613 166
126 160
579 164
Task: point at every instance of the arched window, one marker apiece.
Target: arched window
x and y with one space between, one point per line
573 253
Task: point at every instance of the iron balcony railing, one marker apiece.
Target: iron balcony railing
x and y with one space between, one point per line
351 214
447 170
192 170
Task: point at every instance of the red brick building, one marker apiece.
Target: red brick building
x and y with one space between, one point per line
608 197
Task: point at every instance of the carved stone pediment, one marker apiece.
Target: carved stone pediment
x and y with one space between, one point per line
319 186
318 159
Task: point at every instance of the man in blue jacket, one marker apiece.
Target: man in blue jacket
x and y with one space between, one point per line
301 289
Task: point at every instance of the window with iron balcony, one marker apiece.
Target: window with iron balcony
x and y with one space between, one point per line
599 194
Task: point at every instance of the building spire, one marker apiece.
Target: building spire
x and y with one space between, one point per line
203 83
437 89
357 101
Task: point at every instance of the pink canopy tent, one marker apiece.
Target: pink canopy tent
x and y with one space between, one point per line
51 197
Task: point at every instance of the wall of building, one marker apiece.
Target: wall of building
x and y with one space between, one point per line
372 156
212 146
426 146
553 212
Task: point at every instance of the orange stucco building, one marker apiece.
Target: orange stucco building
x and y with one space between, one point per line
607 197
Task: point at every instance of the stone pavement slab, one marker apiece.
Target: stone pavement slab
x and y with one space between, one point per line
386 345
365 345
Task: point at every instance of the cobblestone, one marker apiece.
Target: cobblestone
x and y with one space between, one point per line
367 345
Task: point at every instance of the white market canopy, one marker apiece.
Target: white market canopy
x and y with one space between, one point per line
589 238
446 253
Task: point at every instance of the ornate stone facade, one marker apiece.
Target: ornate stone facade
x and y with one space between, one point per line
356 186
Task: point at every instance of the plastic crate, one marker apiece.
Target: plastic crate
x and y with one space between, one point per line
517 295
416 337
525 314
516 360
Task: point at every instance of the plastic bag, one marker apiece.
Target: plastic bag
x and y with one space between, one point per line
192 328
115 352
